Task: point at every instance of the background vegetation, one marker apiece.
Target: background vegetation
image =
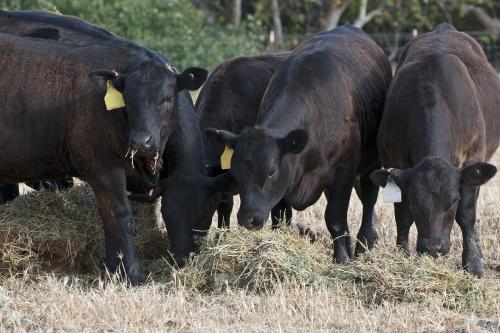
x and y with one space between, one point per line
206 32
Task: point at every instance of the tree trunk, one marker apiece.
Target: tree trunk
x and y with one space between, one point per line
277 27
233 12
335 12
207 11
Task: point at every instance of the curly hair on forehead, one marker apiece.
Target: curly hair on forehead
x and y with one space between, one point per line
436 174
150 71
252 142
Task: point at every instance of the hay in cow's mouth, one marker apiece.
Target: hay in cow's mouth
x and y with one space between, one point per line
153 165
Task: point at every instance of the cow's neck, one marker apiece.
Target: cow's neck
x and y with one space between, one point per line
282 118
184 152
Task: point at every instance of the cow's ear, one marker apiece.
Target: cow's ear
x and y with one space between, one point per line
221 136
477 174
100 77
191 78
222 184
294 142
381 177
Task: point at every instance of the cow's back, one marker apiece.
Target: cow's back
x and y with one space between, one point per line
469 85
231 96
49 106
335 78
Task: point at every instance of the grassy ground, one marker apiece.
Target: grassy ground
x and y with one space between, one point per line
262 281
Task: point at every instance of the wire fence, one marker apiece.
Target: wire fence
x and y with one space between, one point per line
393 44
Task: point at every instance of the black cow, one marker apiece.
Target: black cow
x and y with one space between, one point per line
316 131
189 196
441 123
187 193
8 192
230 100
65 130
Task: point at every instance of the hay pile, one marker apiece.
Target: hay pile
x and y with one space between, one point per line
266 260
387 274
61 231
257 261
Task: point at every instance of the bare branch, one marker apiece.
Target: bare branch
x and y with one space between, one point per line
475 12
482 17
364 18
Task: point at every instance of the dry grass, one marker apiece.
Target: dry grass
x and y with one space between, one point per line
242 280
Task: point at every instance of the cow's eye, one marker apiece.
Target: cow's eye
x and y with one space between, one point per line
272 173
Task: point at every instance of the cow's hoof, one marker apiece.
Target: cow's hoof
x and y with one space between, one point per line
361 247
135 275
474 266
365 242
340 257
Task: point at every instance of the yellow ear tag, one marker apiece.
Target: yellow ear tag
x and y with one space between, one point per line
113 98
225 158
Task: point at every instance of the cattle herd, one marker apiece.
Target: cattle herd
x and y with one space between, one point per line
278 129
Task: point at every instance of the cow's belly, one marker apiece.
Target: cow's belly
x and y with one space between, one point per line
31 148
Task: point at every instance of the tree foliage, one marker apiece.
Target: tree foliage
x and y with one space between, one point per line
205 32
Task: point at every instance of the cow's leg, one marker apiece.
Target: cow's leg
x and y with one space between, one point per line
367 192
224 212
8 192
338 196
114 208
404 221
282 211
472 256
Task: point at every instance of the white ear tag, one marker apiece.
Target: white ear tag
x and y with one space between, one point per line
391 192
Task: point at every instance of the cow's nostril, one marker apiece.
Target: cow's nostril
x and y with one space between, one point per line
141 141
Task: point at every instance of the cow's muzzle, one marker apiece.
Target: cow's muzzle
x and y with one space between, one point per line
433 246
143 143
251 221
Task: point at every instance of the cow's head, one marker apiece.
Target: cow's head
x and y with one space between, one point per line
188 204
260 169
431 189
150 94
